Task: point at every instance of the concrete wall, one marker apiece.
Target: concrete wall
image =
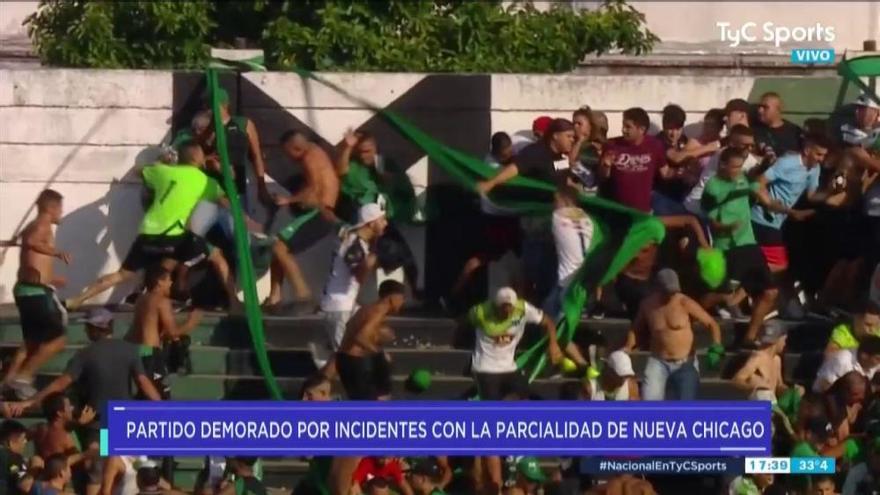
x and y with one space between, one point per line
82 131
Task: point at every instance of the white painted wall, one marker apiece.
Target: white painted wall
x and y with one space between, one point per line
82 131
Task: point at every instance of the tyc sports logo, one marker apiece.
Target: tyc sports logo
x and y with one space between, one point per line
768 32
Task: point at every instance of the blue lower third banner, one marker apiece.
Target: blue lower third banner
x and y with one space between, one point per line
450 428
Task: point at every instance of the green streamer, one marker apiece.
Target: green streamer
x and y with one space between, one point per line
246 278
619 232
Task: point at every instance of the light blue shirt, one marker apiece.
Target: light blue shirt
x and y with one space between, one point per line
787 179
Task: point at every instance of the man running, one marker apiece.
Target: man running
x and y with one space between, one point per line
43 317
500 325
665 318
154 324
176 190
314 217
363 367
353 260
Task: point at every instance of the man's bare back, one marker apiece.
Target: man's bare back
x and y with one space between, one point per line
146 328
320 177
366 332
38 253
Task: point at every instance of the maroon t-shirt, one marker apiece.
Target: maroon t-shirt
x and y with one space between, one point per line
633 172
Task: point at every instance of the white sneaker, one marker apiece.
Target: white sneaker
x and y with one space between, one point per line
23 389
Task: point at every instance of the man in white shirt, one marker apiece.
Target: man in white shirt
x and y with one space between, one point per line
572 235
500 325
864 360
353 260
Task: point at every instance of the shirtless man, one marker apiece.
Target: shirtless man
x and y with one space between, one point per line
154 324
314 221
54 436
363 367
762 373
665 317
43 317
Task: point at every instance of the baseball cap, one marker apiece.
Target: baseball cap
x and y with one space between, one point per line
541 124
99 318
772 331
426 467
505 295
667 279
620 363
528 467
736 105
865 100
368 213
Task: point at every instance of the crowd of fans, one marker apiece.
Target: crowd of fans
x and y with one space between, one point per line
794 214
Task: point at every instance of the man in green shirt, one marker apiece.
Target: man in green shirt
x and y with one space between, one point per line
726 203
175 191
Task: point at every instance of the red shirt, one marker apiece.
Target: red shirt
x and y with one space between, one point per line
633 171
369 468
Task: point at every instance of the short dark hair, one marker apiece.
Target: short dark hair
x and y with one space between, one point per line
731 152
742 130
153 274
715 116
56 464
566 190
290 134
736 105
822 477
53 405
148 476
819 139
673 116
311 382
870 345
187 150
583 111
48 197
559 125
365 136
390 288
499 141
11 428
247 461
377 482
637 116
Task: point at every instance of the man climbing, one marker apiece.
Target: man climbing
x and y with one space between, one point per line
176 190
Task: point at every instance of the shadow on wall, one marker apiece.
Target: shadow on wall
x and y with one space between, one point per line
107 225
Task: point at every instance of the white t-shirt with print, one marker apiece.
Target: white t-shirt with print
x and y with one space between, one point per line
839 364
341 289
496 354
572 234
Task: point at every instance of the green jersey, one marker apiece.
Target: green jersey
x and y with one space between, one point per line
177 189
727 202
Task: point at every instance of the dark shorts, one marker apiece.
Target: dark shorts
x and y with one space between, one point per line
497 386
42 315
364 377
631 291
498 235
148 250
748 266
156 366
772 244
305 230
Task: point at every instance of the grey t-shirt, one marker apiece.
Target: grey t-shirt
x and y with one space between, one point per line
104 371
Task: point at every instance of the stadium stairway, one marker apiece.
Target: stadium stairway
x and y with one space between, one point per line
225 367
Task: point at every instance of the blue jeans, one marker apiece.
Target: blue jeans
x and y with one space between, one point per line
670 380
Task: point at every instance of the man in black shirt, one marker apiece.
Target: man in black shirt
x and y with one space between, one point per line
776 133
542 160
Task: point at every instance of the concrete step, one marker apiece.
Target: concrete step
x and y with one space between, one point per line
298 331
205 387
297 362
